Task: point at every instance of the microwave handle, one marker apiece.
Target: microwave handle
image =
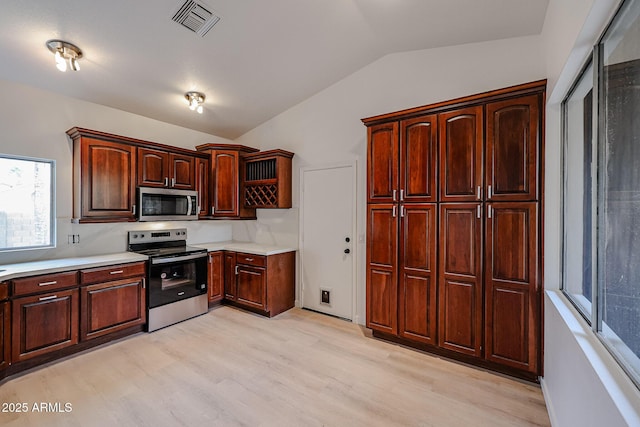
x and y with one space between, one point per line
189 205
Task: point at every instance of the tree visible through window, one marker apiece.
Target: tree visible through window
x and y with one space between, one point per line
26 203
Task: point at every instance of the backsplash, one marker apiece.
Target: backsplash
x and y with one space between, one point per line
99 239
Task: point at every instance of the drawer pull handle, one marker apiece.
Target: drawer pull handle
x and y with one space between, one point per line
48 298
48 283
249 259
116 272
180 294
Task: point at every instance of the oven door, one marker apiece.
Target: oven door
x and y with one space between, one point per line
176 278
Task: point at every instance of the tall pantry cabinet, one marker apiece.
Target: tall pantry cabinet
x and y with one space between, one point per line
453 228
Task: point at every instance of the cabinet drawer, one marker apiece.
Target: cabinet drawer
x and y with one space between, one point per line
112 272
45 283
250 259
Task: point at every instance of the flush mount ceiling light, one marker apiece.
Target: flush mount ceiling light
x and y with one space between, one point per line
195 100
65 52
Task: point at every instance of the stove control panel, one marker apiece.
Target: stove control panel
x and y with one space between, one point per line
156 236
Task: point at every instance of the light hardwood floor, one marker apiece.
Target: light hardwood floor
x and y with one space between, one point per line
233 368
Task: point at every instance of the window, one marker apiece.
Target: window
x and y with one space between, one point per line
601 255
26 203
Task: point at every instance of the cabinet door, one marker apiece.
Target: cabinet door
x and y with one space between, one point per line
460 278
513 140
5 336
461 155
182 169
417 297
251 287
108 180
202 186
216 276
382 163
230 276
382 268
44 323
225 170
111 306
153 168
512 296
418 159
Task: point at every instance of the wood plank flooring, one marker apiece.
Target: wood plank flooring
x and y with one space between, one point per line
233 368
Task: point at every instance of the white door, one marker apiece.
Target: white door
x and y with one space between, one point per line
327 239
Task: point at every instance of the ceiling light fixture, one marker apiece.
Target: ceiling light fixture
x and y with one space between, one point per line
65 52
195 100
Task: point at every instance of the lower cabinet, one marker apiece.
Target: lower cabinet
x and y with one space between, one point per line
44 323
264 284
112 306
216 276
112 298
5 328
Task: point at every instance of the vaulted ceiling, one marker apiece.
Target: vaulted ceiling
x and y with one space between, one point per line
261 58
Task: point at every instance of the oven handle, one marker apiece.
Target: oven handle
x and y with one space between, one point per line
178 258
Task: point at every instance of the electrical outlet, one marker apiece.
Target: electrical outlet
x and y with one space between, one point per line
325 296
73 239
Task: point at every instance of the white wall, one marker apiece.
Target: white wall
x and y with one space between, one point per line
33 124
326 128
583 385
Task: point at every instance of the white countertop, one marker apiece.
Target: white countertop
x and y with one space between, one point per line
12 271
248 247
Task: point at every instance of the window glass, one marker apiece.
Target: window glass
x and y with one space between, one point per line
619 195
578 193
26 203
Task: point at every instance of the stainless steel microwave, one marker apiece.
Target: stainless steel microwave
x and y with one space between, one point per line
167 204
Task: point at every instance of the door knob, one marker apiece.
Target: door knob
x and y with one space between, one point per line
347 251
347 239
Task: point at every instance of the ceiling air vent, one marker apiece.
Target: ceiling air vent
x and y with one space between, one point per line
196 17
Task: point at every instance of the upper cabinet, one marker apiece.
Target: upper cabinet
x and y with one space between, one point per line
267 179
382 161
461 155
512 155
418 154
231 180
226 166
104 178
158 168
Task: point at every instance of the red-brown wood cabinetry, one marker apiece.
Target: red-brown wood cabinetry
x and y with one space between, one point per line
5 328
226 166
453 228
216 276
104 179
158 168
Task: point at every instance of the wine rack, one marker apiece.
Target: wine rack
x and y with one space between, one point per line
267 179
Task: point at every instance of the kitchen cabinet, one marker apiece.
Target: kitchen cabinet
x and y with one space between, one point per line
44 321
104 178
461 153
460 278
513 308
226 163
267 180
382 267
216 276
512 149
5 329
112 298
202 186
453 228
263 284
158 168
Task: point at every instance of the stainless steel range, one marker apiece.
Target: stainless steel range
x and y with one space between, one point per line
177 277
